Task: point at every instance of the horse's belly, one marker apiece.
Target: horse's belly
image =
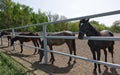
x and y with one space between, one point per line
57 41
103 44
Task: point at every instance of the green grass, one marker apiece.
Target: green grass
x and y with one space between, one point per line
8 66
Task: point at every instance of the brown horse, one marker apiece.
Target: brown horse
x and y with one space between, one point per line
36 41
56 42
95 45
8 35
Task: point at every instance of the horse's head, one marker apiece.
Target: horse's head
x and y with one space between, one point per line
83 28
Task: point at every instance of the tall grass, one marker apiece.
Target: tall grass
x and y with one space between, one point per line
9 67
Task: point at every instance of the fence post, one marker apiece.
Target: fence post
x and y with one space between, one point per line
13 35
45 45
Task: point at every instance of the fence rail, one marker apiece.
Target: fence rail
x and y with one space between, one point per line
44 36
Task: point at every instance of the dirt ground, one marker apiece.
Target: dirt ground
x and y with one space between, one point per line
60 66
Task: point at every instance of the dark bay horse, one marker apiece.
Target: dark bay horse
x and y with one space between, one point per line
36 41
8 35
56 42
95 45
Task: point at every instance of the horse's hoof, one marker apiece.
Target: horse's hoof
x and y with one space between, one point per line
52 63
74 61
94 72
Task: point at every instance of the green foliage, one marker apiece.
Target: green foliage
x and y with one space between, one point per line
116 26
9 67
99 26
73 26
14 15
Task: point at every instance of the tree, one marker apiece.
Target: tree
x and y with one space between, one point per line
116 26
98 26
2 5
15 14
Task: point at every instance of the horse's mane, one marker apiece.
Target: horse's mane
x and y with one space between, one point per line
96 32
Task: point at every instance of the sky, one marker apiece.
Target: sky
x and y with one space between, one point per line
76 8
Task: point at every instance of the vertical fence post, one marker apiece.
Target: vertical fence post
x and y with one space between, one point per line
13 35
45 45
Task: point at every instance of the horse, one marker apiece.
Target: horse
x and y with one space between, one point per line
96 45
36 41
8 35
56 42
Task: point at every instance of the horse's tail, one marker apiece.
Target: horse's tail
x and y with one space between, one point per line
111 34
111 47
40 42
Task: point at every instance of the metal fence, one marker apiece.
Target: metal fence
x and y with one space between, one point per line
44 36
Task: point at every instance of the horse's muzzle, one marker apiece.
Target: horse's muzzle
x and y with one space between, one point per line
80 35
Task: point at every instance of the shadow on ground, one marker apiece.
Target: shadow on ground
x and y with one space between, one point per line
52 69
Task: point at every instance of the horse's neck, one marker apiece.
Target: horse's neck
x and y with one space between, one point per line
93 32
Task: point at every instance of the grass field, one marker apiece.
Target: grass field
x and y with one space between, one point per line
8 66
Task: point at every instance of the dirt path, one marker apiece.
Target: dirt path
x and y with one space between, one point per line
60 66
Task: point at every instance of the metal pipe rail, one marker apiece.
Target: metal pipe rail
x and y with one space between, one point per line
75 37
86 38
29 36
86 59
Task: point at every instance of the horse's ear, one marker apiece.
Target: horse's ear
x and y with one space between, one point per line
87 19
82 20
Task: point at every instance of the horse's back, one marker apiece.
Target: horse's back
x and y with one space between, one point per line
106 33
59 41
62 33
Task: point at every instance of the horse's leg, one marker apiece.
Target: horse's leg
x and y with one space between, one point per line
52 59
111 51
94 57
74 54
74 48
37 43
34 42
105 53
98 58
69 44
21 45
